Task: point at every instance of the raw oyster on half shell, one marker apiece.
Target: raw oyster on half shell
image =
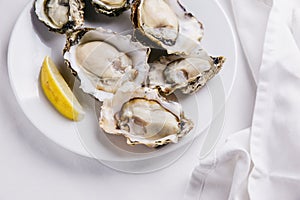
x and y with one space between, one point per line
167 24
60 15
110 7
143 117
187 73
104 60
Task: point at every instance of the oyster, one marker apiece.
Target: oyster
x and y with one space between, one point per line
111 7
188 73
143 117
103 60
173 28
60 15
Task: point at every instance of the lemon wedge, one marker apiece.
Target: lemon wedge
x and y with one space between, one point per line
58 92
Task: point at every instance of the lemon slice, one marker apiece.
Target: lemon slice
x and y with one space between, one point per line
58 92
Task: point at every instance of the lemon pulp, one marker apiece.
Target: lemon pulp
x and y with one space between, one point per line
58 92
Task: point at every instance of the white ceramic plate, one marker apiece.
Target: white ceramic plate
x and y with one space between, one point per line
31 42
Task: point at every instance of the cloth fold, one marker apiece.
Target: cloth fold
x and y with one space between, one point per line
275 128
251 18
262 161
232 162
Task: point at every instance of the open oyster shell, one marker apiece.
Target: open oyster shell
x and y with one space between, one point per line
187 73
60 15
103 60
143 117
111 7
167 24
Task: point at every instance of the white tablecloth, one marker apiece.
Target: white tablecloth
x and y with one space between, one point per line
32 167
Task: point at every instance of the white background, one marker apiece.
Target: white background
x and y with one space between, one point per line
32 167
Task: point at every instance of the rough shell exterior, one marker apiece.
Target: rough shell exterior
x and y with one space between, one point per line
189 29
187 73
107 9
97 85
75 15
112 111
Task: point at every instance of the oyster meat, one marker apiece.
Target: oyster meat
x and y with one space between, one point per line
60 15
111 7
167 24
188 73
103 60
143 117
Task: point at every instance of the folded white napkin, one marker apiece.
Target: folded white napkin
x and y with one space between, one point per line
262 162
224 174
251 18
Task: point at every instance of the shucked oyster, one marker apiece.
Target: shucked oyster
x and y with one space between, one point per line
103 60
60 15
143 117
188 73
110 7
168 24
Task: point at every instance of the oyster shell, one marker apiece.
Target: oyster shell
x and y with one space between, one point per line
103 60
60 15
188 73
173 28
143 117
111 7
